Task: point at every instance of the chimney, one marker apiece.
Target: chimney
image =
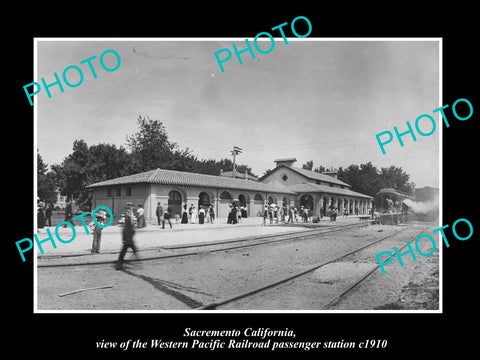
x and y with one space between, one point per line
288 162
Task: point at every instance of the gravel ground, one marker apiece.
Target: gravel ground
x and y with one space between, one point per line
190 282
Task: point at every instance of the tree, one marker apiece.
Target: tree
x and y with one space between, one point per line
87 165
45 181
150 146
308 165
72 174
106 161
367 179
397 178
320 169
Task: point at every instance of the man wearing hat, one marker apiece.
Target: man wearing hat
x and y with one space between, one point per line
127 237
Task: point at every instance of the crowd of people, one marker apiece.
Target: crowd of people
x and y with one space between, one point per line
44 214
282 214
205 214
134 217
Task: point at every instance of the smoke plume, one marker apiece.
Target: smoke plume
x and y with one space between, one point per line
421 207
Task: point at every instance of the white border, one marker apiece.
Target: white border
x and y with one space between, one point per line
439 311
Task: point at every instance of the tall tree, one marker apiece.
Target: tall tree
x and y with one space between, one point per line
87 165
320 169
150 146
397 178
106 161
72 174
45 181
367 179
308 165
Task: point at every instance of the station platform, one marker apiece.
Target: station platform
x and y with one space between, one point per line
154 237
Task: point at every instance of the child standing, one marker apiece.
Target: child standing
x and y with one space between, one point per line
97 234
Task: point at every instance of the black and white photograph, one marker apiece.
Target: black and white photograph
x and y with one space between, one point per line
238 186
226 181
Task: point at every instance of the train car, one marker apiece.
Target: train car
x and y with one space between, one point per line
389 206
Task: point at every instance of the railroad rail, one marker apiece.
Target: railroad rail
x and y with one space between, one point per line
265 288
231 244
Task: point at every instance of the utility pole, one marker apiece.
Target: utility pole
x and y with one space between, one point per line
236 150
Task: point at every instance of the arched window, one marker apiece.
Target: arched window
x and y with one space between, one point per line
258 197
242 199
225 195
175 202
174 196
203 199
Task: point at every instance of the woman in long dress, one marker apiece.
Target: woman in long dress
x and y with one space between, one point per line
185 215
40 214
193 220
201 215
141 223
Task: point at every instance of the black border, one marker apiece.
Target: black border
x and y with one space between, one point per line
410 334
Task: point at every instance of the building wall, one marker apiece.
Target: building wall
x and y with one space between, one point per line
149 195
116 203
293 177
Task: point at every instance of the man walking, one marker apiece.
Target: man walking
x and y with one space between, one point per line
127 238
166 216
159 213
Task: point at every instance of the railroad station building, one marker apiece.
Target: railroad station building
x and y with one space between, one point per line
284 185
318 191
177 188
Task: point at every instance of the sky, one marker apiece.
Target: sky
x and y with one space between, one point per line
310 99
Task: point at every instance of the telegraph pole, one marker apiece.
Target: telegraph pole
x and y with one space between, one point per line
236 150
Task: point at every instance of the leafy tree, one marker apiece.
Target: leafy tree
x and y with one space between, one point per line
320 169
367 179
45 181
308 165
87 165
150 146
72 174
106 161
397 178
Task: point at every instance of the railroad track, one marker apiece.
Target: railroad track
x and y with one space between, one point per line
215 246
263 289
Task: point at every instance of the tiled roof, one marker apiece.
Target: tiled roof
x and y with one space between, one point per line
285 159
313 175
238 175
311 187
171 177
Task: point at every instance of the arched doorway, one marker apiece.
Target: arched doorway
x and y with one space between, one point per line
306 200
225 195
175 203
242 200
203 199
271 200
223 205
